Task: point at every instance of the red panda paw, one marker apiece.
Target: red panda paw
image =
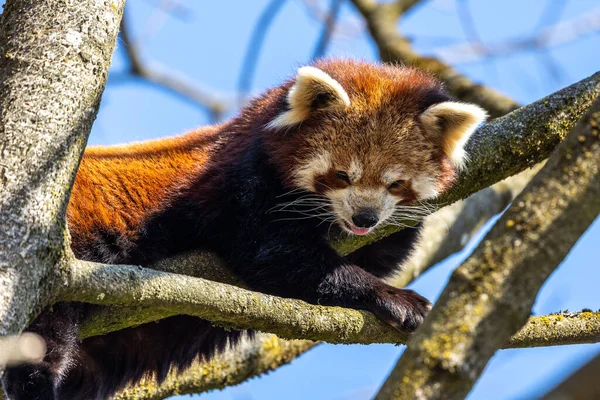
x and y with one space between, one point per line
403 309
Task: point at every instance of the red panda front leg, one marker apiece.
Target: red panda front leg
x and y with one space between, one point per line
290 264
402 308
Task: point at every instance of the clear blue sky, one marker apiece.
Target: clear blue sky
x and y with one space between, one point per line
209 48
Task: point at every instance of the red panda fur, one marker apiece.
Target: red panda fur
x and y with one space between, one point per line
214 188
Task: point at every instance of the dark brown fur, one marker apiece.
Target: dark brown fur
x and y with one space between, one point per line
213 189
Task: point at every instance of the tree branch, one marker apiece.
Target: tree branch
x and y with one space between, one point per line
555 35
490 296
234 366
499 149
583 384
254 358
328 28
169 80
171 294
55 58
381 20
259 33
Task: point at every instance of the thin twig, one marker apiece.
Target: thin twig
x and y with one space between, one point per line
259 34
169 80
328 29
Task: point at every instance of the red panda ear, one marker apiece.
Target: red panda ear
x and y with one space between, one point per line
453 123
313 90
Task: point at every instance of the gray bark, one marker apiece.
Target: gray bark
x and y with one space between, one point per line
55 57
490 296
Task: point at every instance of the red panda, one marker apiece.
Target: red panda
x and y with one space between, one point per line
344 146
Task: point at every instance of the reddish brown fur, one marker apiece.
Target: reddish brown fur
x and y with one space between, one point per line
214 188
117 186
381 122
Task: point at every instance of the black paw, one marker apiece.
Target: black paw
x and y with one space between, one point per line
403 309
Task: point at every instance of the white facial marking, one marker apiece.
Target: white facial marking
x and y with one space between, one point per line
315 166
392 175
356 170
425 187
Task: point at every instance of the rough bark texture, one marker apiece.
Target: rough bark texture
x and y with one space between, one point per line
270 352
251 359
55 57
167 294
490 296
558 329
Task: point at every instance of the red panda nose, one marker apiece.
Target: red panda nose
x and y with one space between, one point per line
365 218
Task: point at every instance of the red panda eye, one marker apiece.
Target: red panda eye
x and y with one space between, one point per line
343 176
396 184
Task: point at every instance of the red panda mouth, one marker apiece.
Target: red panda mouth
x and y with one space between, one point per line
356 230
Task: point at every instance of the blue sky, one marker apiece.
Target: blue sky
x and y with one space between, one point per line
208 49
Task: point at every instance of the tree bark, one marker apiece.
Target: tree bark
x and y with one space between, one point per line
234 366
55 58
490 296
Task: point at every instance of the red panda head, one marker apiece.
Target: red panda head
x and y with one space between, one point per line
370 139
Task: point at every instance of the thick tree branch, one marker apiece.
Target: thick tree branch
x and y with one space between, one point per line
170 294
499 149
382 19
55 58
234 366
226 305
490 296
254 358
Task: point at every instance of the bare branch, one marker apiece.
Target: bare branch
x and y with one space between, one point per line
557 329
582 385
490 296
234 366
55 58
347 27
381 20
253 51
162 292
328 28
552 36
169 80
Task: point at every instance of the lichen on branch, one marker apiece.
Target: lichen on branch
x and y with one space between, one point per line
499 149
490 296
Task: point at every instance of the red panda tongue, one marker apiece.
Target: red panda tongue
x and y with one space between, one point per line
359 231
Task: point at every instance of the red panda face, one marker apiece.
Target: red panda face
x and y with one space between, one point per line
371 143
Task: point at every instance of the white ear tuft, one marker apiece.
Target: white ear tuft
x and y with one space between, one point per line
455 122
314 89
